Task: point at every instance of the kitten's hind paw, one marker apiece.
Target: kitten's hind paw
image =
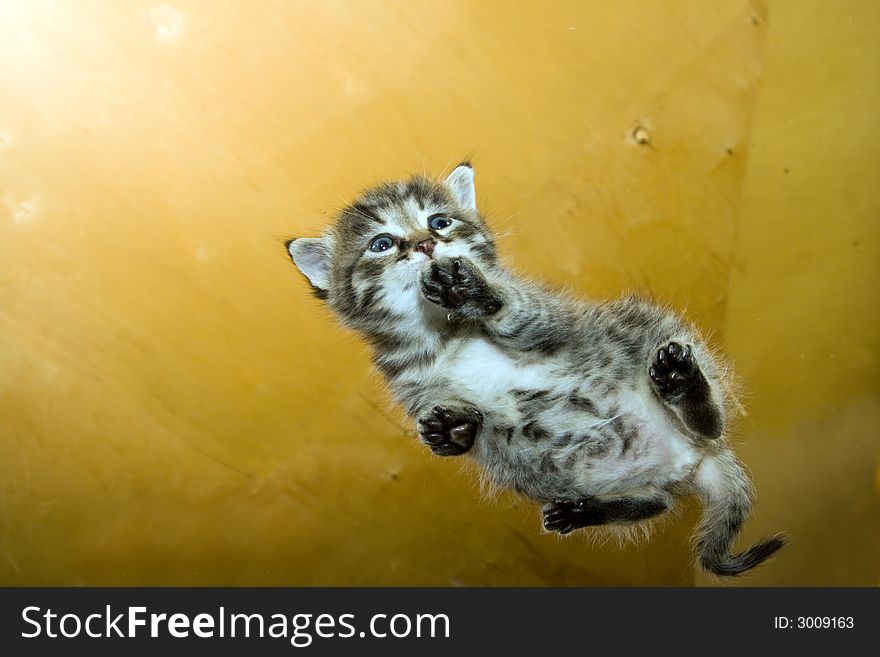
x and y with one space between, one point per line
681 384
672 369
564 516
450 430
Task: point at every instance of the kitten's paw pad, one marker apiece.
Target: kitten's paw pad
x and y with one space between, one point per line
564 516
450 431
672 368
678 379
457 284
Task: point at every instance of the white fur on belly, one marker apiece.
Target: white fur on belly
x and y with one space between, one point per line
660 454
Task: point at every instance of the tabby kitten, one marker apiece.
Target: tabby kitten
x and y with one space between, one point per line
603 412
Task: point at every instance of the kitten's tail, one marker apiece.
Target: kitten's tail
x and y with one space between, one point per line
727 495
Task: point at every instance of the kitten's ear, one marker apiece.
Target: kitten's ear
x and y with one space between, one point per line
461 183
312 256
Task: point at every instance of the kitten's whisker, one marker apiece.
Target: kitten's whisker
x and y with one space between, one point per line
445 171
501 222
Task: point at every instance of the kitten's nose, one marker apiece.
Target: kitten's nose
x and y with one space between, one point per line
426 246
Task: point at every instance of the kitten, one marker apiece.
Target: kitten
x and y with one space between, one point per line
603 412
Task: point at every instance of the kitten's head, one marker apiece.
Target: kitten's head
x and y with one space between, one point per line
367 265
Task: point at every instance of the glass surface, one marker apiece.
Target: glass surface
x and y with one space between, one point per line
176 408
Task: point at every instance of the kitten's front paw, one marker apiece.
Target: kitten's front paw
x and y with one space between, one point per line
673 368
457 284
450 430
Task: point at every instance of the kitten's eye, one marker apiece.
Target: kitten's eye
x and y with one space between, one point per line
381 243
439 222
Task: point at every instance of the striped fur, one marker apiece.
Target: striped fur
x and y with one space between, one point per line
603 412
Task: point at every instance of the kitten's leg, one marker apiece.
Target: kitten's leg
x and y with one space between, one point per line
450 430
565 516
447 423
514 314
680 383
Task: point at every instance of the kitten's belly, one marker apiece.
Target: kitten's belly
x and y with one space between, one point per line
636 445
656 454
486 375
665 459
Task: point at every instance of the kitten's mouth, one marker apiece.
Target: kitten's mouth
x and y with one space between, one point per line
421 263
414 267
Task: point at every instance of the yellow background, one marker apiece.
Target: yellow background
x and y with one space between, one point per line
175 408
